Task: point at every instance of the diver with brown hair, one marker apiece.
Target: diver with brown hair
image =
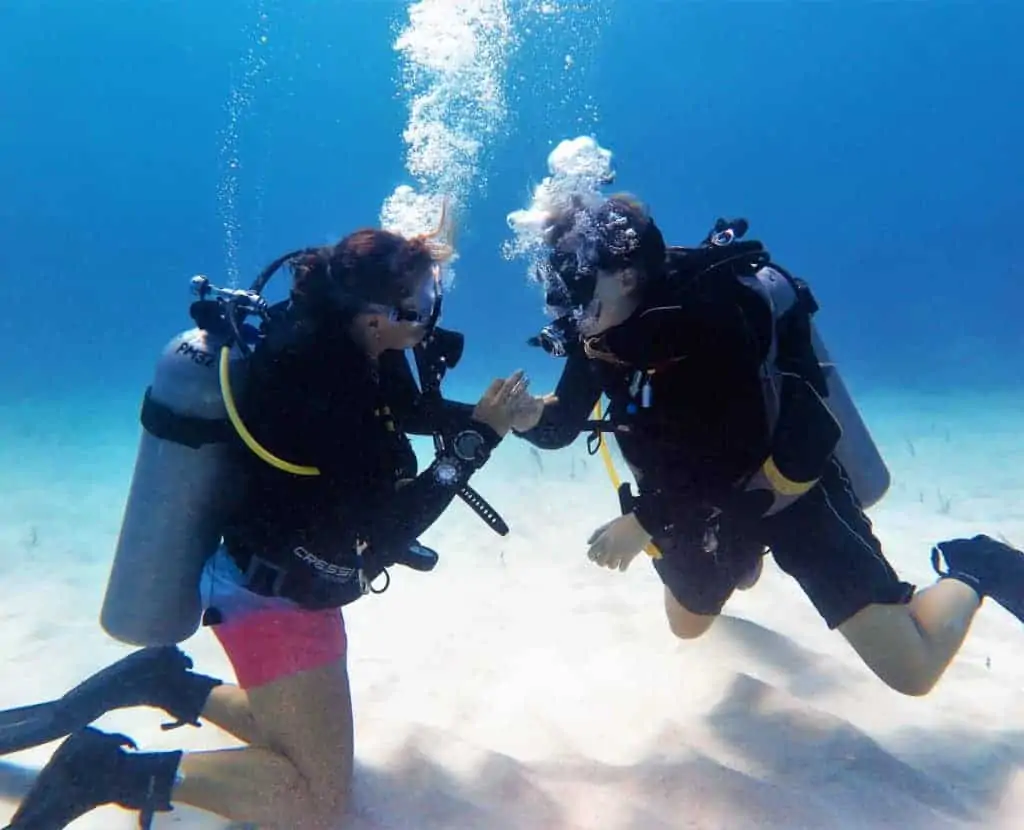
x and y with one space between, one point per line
329 498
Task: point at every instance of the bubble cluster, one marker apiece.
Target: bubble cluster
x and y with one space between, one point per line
454 55
560 42
238 106
578 169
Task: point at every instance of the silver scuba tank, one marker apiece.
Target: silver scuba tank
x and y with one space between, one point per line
856 450
179 496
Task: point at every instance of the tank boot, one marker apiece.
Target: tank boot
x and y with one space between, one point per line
91 769
160 677
990 567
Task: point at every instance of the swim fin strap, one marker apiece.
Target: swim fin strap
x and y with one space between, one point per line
159 677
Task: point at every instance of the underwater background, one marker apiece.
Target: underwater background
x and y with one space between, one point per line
872 146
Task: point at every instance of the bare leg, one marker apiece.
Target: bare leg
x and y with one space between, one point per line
910 646
300 776
684 623
228 707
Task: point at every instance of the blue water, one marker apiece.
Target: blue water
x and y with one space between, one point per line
873 147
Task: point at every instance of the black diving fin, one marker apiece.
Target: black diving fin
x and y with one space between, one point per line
23 714
91 769
160 677
29 726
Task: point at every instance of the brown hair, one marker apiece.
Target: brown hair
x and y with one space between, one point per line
369 265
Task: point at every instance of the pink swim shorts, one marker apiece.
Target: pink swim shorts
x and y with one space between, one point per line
267 638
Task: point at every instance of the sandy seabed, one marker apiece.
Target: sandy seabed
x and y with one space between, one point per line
520 687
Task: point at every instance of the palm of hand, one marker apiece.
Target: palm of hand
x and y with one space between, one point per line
528 412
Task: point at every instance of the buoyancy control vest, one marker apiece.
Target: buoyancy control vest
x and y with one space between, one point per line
182 491
811 416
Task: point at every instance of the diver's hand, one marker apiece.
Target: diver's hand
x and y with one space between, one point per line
498 404
529 412
616 543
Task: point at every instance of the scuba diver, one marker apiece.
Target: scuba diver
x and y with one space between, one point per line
327 496
740 436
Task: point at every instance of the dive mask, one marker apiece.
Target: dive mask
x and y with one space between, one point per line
570 280
570 272
421 307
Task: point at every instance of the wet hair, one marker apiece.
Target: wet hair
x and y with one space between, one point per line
369 265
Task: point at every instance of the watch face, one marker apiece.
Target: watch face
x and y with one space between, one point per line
468 445
446 472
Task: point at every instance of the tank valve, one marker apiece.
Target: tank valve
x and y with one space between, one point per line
247 300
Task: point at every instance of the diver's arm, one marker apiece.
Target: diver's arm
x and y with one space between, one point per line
577 392
386 517
395 523
444 416
419 415
337 428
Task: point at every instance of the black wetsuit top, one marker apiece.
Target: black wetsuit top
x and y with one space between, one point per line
705 426
318 401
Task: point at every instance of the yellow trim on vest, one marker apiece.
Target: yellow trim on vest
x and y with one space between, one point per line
782 485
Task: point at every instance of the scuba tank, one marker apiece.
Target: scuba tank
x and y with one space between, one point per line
178 498
855 449
184 487
181 487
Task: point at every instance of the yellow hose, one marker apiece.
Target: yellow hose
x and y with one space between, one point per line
606 454
240 428
300 470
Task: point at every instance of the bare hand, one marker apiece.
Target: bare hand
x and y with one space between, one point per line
499 403
616 543
529 412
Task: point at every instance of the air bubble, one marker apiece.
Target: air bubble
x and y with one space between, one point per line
253 67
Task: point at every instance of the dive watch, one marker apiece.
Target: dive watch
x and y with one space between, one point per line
470 445
466 447
446 472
